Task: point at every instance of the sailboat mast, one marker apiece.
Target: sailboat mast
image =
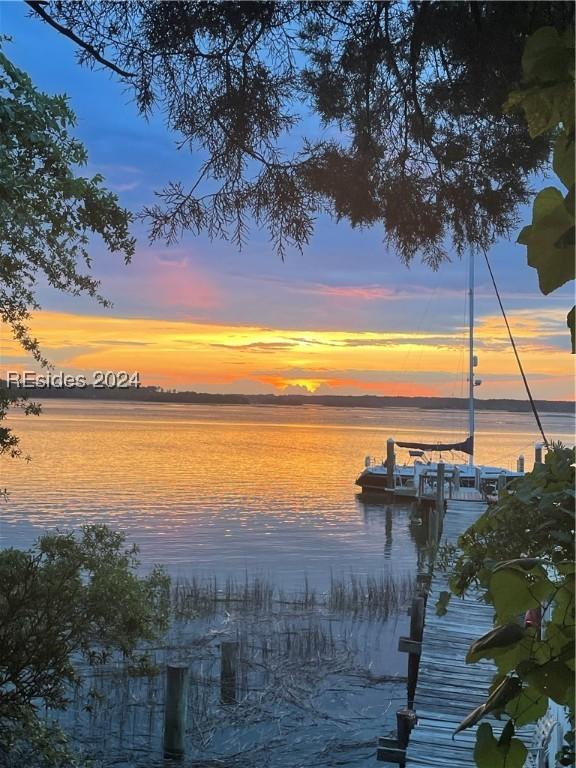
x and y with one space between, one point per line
471 350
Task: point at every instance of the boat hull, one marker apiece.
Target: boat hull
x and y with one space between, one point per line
472 481
372 482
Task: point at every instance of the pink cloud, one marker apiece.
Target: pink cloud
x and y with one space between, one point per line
354 292
164 280
181 284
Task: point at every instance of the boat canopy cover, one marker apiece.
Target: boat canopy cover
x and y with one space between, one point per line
466 447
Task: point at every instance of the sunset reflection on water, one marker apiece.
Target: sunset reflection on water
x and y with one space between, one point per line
266 489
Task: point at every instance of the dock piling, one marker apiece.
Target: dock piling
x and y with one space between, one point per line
538 448
520 464
416 631
229 663
390 462
440 489
392 750
175 711
405 721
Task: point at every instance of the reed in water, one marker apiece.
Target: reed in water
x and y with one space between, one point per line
373 595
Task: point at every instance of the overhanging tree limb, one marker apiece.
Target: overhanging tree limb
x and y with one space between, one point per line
36 6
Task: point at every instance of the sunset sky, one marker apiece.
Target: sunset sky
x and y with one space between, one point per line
344 317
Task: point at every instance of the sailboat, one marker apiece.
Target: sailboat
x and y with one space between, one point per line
418 479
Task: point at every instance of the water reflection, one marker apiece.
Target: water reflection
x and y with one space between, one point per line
236 491
230 489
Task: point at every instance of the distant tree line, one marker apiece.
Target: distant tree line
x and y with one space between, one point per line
155 394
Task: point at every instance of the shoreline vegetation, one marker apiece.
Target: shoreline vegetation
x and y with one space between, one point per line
309 676
355 594
155 394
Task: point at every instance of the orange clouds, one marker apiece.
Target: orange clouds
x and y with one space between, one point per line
361 386
207 356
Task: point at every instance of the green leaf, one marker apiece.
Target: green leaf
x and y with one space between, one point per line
545 56
498 639
489 753
471 719
551 220
544 108
513 592
523 563
528 707
563 162
508 689
506 735
516 755
442 603
486 749
553 679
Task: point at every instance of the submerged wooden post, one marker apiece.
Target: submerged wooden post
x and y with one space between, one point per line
228 667
416 631
431 525
440 488
390 462
538 453
175 711
394 750
405 721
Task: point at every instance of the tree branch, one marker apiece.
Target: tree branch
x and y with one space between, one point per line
36 6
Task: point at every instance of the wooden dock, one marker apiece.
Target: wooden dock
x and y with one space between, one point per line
448 689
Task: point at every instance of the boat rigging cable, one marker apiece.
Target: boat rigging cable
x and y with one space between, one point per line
524 379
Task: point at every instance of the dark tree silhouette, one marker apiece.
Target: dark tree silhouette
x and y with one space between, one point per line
384 113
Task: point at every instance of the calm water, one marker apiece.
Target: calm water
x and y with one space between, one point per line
267 491
264 488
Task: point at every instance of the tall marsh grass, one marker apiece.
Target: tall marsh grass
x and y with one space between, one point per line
378 596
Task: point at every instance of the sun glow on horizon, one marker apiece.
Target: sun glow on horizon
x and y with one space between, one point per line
246 358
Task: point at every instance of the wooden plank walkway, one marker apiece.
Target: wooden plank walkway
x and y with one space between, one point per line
448 689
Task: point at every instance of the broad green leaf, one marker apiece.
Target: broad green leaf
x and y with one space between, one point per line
508 689
551 220
486 750
553 679
563 162
570 201
543 107
528 707
513 592
545 203
507 733
498 639
511 659
545 56
516 754
488 753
